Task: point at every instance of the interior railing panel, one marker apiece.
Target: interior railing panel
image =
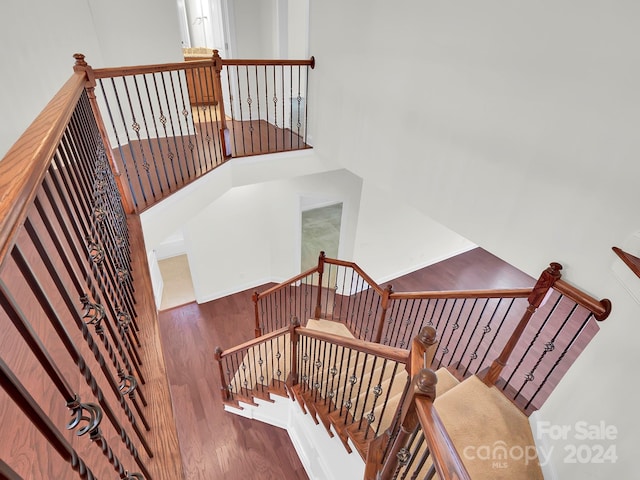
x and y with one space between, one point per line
67 313
169 124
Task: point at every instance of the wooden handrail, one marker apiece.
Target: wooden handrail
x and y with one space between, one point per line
390 353
446 458
600 308
501 293
285 284
311 62
418 407
253 342
26 162
205 62
362 273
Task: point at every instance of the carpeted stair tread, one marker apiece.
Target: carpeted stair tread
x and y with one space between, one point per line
488 431
329 326
446 381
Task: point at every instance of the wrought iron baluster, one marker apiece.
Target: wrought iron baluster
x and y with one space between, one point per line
19 319
149 142
23 399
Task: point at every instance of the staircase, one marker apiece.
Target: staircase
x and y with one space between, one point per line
389 414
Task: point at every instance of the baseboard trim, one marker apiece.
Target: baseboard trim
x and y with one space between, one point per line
388 278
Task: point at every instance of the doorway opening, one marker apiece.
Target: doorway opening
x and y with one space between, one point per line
320 232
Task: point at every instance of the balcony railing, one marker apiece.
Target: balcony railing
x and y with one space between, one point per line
166 125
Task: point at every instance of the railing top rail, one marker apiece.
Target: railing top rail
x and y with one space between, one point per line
311 62
447 460
362 273
286 283
254 341
600 308
390 353
205 62
499 293
25 164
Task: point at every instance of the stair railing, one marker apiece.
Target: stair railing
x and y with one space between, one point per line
65 279
418 443
166 125
478 328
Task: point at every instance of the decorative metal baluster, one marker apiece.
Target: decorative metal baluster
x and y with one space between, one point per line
95 250
86 417
504 317
74 250
473 332
73 351
94 315
549 347
453 328
388 394
353 379
23 399
149 142
171 154
133 175
135 126
84 185
485 330
541 328
162 118
76 185
182 78
416 445
369 371
377 391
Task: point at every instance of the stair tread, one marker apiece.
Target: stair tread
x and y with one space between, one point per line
446 381
476 416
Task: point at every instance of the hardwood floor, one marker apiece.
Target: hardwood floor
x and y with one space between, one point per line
216 444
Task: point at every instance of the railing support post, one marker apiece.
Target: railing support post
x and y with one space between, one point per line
223 384
318 309
423 349
384 303
538 295
293 334
258 329
82 66
217 95
423 384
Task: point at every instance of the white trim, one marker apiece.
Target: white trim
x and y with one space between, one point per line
239 288
157 282
323 457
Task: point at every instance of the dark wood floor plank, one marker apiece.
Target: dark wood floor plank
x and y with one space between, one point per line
237 448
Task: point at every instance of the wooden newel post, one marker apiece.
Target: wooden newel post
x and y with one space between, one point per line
223 383
318 310
423 385
293 334
82 66
258 328
538 295
423 349
219 101
384 304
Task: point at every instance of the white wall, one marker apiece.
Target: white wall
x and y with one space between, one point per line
394 239
255 28
136 33
38 39
251 234
514 124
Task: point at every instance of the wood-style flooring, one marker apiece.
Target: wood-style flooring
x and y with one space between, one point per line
215 444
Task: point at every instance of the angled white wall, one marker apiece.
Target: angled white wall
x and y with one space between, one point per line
515 125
